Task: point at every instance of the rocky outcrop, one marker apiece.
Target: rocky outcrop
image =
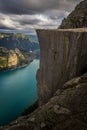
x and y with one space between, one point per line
76 19
20 56
18 52
3 51
63 56
12 59
67 110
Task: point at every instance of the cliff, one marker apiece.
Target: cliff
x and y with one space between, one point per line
20 56
63 56
62 105
67 110
10 58
78 17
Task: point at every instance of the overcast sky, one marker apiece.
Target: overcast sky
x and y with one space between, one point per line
26 15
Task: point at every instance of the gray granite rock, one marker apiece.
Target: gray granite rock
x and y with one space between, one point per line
63 56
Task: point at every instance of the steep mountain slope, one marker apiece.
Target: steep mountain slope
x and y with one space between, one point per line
63 57
78 18
16 50
10 58
20 41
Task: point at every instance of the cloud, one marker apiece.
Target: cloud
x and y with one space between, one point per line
35 6
27 15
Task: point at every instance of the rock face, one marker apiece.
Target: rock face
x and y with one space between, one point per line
20 56
10 58
67 110
63 56
78 18
18 52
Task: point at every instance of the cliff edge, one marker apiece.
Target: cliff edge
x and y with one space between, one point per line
63 55
62 105
10 59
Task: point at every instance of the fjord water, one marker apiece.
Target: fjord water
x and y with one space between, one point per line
18 90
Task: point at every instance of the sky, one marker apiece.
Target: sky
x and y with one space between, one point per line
24 16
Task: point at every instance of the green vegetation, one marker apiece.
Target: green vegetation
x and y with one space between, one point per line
76 19
20 60
3 62
72 20
10 58
85 13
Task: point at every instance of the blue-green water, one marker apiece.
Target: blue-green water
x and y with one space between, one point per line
18 90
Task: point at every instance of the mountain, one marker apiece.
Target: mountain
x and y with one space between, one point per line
34 37
76 19
17 50
12 59
61 79
20 41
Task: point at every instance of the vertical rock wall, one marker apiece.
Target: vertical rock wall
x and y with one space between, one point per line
12 59
63 56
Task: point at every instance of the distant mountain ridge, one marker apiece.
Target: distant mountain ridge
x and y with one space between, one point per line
20 41
17 50
10 58
34 38
61 78
78 17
